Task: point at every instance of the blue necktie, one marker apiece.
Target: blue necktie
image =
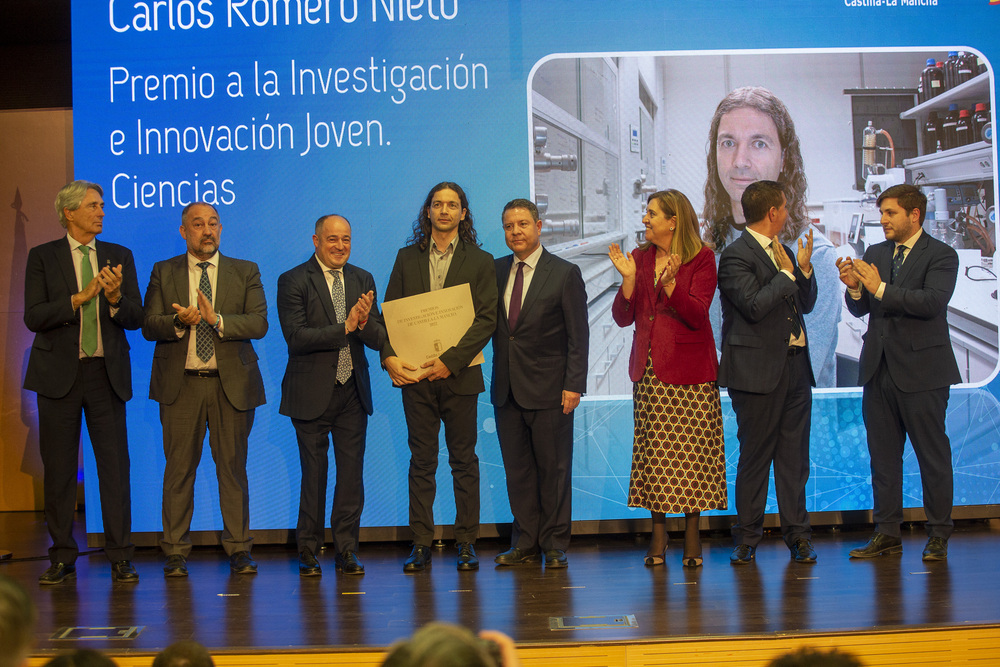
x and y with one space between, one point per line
897 262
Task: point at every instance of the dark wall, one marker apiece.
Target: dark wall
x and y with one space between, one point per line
35 56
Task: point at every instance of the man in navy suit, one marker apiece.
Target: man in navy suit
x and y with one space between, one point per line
765 364
80 295
328 313
906 367
540 351
444 252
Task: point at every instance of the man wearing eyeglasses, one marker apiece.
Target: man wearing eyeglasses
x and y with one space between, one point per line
443 251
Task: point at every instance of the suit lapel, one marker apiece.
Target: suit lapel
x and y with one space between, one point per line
883 261
455 268
317 278
503 275
352 288
916 252
225 277
64 255
759 252
424 264
538 278
179 281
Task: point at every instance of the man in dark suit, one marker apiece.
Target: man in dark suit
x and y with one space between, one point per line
80 295
326 389
443 252
765 364
203 309
540 350
907 366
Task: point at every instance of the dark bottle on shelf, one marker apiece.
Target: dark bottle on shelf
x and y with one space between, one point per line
932 132
963 128
951 70
949 138
968 67
979 120
932 79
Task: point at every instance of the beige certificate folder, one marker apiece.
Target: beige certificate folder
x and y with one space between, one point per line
423 326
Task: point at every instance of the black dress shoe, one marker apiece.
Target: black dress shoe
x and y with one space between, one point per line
308 565
555 559
936 549
176 566
241 563
516 556
803 552
58 573
742 555
419 558
349 563
467 558
124 572
880 544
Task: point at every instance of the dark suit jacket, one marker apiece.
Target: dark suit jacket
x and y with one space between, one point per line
411 275
676 330
314 338
547 351
909 326
49 284
239 298
756 304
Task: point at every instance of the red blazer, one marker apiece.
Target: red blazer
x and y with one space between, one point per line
676 328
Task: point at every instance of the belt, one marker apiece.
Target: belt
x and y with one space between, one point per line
201 373
795 349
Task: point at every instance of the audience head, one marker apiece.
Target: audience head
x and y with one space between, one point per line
83 657
186 653
810 657
444 645
17 623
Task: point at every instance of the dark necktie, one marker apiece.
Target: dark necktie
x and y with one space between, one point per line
897 262
88 311
204 345
515 296
344 366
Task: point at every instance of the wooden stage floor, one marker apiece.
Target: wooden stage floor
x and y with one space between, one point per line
277 612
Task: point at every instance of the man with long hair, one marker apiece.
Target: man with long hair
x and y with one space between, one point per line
444 252
752 137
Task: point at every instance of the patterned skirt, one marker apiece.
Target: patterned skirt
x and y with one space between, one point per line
678 457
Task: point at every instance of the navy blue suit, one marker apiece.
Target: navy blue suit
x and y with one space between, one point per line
906 367
68 387
546 353
318 406
769 383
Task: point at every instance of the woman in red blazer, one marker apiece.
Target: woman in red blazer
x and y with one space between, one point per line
678 457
